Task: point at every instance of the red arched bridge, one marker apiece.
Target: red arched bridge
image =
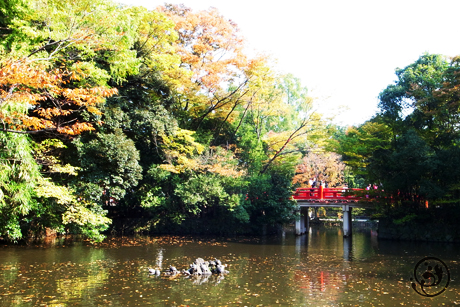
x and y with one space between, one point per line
328 197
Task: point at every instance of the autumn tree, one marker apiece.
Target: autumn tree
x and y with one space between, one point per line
211 50
277 122
159 113
323 166
33 100
52 84
282 114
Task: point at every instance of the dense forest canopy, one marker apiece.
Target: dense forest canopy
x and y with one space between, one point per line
411 147
119 117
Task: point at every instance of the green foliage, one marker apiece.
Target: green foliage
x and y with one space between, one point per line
98 32
202 191
268 199
30 202
18 176
88 219
416 83
359 146
15 16
406 219
411 147
297 101
48 154
196 125
185 196
252 154
417 100
110 166
61 210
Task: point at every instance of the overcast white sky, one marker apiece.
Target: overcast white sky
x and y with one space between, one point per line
345 52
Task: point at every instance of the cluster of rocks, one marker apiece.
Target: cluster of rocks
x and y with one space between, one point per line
198 268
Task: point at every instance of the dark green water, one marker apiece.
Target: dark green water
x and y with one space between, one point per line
318 269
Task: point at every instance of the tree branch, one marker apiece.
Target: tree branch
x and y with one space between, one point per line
217 106
290 138
27 132
10 93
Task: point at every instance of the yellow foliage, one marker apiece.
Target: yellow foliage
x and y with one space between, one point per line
80 215
170 168
179 149
47 189
219 160
183 153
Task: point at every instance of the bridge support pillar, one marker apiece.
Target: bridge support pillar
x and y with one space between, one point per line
303 224
347 224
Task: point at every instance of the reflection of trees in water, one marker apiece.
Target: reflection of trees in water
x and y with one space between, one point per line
358 246
77 288
294 271
51 283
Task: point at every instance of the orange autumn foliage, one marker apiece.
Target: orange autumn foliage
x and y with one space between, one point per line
222 161
211 49
35 99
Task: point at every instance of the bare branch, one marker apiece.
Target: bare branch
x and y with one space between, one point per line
46 45
290 138
27 132
217 106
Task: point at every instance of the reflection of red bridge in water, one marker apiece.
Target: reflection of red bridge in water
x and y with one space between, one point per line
328 197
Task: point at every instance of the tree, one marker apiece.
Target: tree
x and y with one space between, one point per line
281 114
109 165
129 112
268 198
211 50
32 99
61 56
410 147
360 145
324 166
94 36
18 178
417 98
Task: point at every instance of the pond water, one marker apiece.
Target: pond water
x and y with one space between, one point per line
318 269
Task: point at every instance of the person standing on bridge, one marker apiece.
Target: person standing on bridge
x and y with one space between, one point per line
368 188
312 185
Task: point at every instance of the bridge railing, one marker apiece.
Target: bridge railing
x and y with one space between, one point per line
327 194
